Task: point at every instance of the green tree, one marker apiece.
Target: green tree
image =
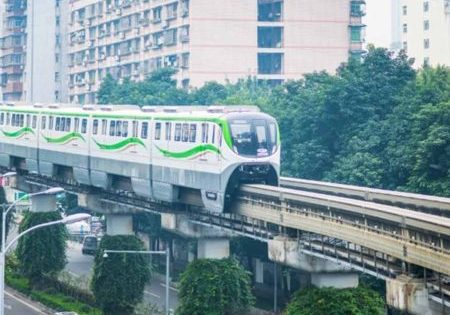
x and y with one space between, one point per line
214 287
107 91
42 251
119 280
330 301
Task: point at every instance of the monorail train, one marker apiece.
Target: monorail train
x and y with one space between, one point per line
166 153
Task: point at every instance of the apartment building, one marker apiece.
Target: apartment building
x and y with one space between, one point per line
12 48
208 40
33 50
422 29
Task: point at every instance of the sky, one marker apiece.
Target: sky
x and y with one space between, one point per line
378 21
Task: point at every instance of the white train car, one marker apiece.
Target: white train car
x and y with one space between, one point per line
167 153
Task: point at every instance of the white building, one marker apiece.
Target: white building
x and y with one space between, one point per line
208 40
422 28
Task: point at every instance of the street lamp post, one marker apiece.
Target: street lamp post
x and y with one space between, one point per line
5 248
148 252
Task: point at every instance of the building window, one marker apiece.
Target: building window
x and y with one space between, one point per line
357 8
426 43
426 25
171 10
157 14
426 61
426 6
405 28
270 63
356 34
405 46
270 10
405 10
270 37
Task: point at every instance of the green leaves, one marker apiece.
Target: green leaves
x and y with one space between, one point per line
330 301
214 287
41 251
119 280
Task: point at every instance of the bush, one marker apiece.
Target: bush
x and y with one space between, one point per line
330 301
215 287
119 280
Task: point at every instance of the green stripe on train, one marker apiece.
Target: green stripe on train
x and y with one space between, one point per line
121 144
191 152
64 139
18 133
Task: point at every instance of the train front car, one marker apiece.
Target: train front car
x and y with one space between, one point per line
251 153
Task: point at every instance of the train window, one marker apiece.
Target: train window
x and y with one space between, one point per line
177 132
112 127
43 122
135 129
76 124
94 126
2 118
168 131
193 133
125 129
8 117
57 124
28 120
213 137
157 131
50 122
104 126
83 125
185 134
119 128
34 122
273 134
62 125
205 129
144 130
22 120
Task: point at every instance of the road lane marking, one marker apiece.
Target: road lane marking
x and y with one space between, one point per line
152 294
172 288
34 308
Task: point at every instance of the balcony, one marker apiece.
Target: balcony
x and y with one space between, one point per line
13 87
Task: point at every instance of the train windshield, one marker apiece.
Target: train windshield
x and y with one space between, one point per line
254 137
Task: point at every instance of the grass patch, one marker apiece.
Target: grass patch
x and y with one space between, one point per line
50 298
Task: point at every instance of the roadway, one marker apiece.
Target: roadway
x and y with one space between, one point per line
80 265
17 305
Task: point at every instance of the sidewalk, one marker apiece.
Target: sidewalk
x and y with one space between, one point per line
23 299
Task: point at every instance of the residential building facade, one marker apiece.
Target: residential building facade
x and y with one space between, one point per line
208 40
422 29
33 50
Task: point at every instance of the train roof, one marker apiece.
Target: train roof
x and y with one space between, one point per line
132 110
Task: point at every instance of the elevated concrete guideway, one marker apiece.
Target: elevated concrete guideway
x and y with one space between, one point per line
380 239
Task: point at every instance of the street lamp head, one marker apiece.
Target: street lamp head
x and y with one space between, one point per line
75 218
105 255
9 174
52 191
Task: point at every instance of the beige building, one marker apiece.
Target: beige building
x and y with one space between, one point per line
423 30
208 40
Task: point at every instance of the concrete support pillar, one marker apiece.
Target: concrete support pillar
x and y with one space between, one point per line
259 271
119 224
335 280
43 203
215 248
408 295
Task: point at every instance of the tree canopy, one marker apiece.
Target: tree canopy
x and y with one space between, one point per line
330 301
119 280
42 251
214 287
